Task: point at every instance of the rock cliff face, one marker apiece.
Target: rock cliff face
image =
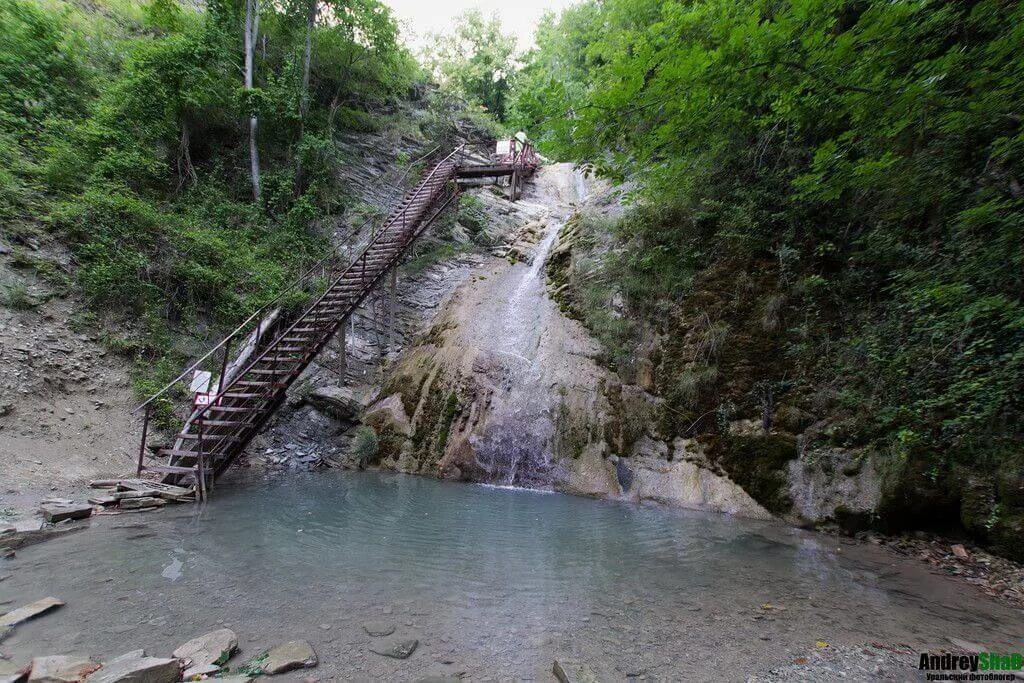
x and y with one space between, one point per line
505 389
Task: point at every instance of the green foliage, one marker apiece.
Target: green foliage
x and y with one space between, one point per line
475 60
364 446
838 181
125 126
17 296
828 216
471 213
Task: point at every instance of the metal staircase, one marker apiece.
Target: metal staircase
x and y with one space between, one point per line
278 342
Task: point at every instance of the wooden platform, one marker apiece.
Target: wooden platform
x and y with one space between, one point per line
485 171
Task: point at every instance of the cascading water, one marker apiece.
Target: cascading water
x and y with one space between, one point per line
517 448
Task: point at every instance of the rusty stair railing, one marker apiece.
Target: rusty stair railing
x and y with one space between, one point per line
274 346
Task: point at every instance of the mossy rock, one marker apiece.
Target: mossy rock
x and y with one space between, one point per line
913 498
977 504
1010 483
791 419
758 463
1007 535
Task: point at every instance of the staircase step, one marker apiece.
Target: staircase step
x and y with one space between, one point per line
176 453
170 469
223 423
260 383
229 409
212 437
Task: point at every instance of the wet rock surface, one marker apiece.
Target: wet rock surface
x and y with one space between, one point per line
60 513
396 648
61 669
846 663
295 654
379 628
137 667
569 671
211 648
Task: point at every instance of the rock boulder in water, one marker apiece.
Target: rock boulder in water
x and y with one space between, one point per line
212 648
136 667
568 671
379 628
61 669
295 654
397 648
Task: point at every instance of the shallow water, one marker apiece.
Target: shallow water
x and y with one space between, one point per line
494 582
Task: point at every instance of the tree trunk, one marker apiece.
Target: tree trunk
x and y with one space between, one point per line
314 10
252 28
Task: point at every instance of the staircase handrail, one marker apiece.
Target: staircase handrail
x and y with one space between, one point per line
221 390
292 286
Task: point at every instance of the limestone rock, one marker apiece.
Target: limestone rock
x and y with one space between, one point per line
61 669
295 654
379 628
197 672
208 649
136 667
567 671
11 672
15 617
688 485
397 648
823 480
139 503
342 403
389 413
58 513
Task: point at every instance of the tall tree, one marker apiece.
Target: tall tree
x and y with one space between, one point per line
252 27
475 60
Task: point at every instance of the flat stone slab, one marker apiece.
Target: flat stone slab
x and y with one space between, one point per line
568 671
139 503
58 513
34 532
136 667
61 669
156 488
397 648
196 673
295 654
11 672
212 648
15 617
379 628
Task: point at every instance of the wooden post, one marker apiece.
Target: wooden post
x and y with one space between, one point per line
201 463
222 382
392 302
142 444
342 351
